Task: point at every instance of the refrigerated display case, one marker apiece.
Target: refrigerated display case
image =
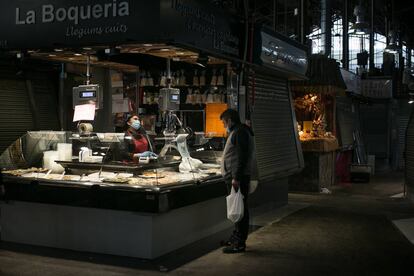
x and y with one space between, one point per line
110 195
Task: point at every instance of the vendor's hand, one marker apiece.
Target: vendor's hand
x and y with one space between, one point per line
151 154
236 184
146 154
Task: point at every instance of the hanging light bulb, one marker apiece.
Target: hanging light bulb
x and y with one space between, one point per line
360 27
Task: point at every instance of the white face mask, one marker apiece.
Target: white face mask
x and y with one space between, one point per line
136 124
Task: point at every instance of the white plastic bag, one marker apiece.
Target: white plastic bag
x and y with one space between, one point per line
235 205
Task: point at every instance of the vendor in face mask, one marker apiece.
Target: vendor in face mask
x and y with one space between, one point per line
136 138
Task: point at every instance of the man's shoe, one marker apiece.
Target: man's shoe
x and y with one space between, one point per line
232 240
234 249
225 243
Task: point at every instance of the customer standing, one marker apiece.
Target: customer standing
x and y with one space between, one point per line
236 169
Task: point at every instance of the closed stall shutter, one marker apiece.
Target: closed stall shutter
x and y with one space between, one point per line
46 102
345 121
274 126
402 128
409 161
15 113
375 127
404 110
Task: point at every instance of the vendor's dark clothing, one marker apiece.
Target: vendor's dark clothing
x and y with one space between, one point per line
237 164
135 141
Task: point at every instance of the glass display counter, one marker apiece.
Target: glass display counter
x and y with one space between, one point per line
97 159
105 204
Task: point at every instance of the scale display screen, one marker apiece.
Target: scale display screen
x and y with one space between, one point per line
169 99
87 94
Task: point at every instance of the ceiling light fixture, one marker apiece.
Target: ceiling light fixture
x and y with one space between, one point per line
392 47
410 97
360 27
112 51
201 65
202 60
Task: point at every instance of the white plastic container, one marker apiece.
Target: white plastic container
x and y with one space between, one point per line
92 159
49 158
84 154
65 151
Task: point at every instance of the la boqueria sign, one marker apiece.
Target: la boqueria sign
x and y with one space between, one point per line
40 24
49 13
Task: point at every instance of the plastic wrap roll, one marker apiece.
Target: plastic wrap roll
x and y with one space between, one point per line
85 127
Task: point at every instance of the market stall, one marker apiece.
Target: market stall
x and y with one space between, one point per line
107 207
176 64
315 108
71 189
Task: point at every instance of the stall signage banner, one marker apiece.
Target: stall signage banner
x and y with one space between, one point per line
201 24
279 54
46 23
377 89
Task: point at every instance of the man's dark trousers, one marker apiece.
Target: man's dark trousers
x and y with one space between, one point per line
241 228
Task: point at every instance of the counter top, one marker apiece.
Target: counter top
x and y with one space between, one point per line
320 144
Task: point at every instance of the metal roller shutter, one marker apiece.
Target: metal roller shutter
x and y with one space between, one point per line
402 128
376 128
274 125
409 152
403 117
46 104
346 121
15 113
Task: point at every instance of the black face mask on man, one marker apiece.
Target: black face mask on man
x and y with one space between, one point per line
229 125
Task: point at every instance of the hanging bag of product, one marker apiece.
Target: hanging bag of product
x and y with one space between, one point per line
235 206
